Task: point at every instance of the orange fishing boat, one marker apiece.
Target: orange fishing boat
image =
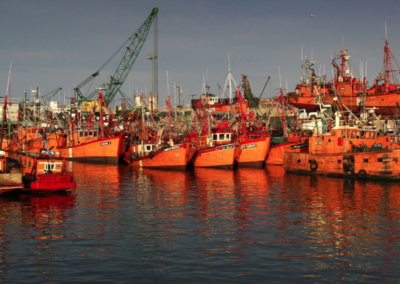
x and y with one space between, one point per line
214 143
149 149
222 156
87 146
148 156
253 140
89 143
346 151
306 94
383 96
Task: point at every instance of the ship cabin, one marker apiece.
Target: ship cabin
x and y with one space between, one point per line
144 149
347 86
209 99
305 90
83 136
42 164
222 138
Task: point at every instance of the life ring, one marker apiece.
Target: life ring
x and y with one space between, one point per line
362 174
329 125
313 166
151 155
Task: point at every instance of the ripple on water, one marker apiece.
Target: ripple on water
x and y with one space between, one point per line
122 224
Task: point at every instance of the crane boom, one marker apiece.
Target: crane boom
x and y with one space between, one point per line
135 44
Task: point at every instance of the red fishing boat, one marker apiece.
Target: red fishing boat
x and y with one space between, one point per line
45 173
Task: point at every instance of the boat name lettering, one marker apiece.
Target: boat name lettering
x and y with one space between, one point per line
248 146
171 148
341 88
228 147
377 145
318 142
105 143
298 146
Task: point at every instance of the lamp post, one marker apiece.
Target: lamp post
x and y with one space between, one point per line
180 94
152 57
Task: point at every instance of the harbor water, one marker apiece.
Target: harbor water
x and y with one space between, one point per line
203 226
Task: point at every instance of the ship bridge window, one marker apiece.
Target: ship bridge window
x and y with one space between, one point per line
95 134
352 134
228 136
80 134
148 147
358 135
48 166
367 135
387 139
348 134
395 139
90 133
343 134
221 137
86 134
215 137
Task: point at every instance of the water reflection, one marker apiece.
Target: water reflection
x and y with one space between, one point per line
202 225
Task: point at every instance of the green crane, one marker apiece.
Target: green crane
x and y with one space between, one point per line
133 46
47 97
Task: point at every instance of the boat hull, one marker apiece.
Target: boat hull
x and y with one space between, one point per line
216 157
106 150
175 157
50 183
379 164
275 154
253 152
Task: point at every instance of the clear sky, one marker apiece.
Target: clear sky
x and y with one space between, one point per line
60 43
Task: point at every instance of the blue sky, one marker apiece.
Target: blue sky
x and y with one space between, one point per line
60 43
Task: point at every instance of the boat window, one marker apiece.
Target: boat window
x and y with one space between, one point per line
227 136
343 134
372 135
90 133
86 134
95 134
358 135
215 137
221 137
387 139
367 134
148 147
80 134
362 134
352 134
